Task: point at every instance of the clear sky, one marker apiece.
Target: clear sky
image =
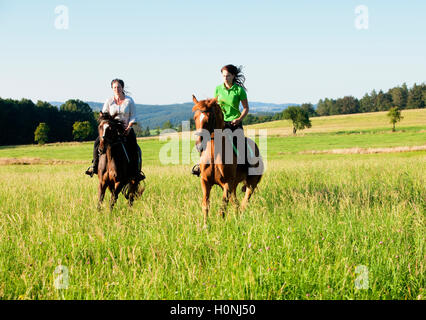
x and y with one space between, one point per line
164 50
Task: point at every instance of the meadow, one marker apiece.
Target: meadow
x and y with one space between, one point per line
315 221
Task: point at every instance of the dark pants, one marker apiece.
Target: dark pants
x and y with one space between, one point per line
131 148
228 125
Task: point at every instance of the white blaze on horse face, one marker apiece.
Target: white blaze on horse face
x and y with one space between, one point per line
201 120
105 126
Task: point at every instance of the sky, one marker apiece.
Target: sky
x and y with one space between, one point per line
167 50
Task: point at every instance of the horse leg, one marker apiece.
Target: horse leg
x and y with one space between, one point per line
234 199
116 189
206 199
249 192
101 193
133 187
225 199
250 186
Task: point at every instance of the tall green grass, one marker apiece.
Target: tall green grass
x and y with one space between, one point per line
311 222
313 219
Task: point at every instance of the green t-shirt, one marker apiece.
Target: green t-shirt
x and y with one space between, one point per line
229 100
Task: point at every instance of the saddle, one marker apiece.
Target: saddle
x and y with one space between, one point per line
123 141
249 152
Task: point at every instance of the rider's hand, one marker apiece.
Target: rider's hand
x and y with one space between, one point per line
235 122
126 132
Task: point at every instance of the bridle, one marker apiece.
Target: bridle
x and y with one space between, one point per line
211 123
120 139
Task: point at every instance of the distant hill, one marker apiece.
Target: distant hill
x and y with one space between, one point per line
156 115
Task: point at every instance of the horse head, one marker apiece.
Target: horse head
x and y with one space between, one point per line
208 116
110 129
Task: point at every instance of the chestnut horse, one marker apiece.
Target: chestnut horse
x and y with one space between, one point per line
215 167
114 167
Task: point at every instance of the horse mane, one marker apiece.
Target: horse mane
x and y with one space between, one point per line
110 118
208 105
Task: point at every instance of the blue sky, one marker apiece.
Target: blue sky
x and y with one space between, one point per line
292 51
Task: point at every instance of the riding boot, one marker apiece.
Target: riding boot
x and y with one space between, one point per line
93 169
196 170
138 176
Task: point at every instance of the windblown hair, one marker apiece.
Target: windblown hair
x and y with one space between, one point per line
239 77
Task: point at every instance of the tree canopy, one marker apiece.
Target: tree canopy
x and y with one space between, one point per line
298 116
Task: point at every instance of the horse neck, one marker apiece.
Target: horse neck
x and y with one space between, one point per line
220 124
109 153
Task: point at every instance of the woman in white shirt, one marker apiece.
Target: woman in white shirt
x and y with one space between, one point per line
124 108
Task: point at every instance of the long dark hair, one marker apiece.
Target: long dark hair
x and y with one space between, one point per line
121 82
239 77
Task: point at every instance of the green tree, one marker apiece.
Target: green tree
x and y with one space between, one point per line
41 133
81 130
399 97
349 105
383 101
191 124
298 116
157 131
322 108
366 104
424 95
147 132
309 108
167 125
75 105
395 116
415 98
139 132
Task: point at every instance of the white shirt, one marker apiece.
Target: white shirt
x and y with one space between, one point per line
126 112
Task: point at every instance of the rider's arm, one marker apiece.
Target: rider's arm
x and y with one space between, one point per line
132 113
105 108
243 113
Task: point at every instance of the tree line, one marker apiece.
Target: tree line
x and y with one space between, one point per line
26 122
400 97
19 119
23 122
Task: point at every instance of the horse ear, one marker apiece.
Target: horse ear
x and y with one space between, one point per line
212 101
194 99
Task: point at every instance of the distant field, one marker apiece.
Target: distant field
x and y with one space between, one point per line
315 219
414 119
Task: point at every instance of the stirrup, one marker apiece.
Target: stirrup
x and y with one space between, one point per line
196 170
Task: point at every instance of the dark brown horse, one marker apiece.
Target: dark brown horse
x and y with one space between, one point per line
114 166
219 163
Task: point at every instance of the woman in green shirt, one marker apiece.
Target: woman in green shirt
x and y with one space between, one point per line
229 96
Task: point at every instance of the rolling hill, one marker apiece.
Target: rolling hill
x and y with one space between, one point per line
156 115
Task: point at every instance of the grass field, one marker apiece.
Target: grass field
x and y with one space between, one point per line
314 219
